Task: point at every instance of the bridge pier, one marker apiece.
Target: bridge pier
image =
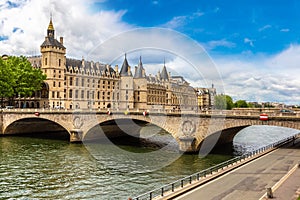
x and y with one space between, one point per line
76 136
188 145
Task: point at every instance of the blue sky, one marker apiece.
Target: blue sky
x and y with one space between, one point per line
239 26
253 44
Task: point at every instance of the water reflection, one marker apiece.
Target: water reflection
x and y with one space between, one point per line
40 168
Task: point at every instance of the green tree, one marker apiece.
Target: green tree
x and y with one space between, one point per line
241 104
6 82
229 102
21 78
223 102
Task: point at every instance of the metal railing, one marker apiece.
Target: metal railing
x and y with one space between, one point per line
196 177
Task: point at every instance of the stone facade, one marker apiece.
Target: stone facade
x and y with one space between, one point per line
191 131
81 84
205 98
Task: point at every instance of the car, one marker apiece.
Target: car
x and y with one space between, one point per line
287 111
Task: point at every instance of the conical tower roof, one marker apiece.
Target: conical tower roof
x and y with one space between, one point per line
164 74
125 66
139 71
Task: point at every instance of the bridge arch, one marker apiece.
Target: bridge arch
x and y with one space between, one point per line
133 125
38 127
221 137
232 126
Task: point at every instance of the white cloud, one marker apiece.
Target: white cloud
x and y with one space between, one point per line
219 43
180 21
285 30
176 22
287 59
74 20
249 41
264 28
263 78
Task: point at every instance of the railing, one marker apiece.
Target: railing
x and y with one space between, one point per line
224 113
196 177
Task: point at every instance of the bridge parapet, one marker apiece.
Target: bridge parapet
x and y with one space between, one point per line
189 129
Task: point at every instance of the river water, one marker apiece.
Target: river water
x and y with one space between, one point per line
32 168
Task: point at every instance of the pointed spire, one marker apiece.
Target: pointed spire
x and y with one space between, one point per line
140 63
50 30
51 27
164 73
125 67
50 37
140 72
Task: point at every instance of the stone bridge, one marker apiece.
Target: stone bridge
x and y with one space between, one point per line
191 130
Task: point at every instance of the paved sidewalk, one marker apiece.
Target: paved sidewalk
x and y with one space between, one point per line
251 180
290 188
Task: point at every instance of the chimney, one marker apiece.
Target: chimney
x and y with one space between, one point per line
116 68
61 39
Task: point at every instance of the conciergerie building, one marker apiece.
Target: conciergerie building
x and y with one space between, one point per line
81 84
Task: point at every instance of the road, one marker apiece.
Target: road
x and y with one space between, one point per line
251 180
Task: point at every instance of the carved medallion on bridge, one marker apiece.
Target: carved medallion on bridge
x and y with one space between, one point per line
188 128
77 122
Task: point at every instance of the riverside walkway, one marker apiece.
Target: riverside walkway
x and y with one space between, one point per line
251 180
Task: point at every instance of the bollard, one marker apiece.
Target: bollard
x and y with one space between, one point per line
269 193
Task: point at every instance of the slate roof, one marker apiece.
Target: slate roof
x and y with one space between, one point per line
50 41
124 69
88 66
164 74
139 70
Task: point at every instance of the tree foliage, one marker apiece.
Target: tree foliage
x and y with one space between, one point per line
223 102
241 104
17 76
6 82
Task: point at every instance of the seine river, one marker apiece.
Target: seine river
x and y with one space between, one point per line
32 168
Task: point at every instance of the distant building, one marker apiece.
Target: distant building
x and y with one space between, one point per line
81 84
206 97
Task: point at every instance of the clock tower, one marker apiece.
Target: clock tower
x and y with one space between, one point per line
54 65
